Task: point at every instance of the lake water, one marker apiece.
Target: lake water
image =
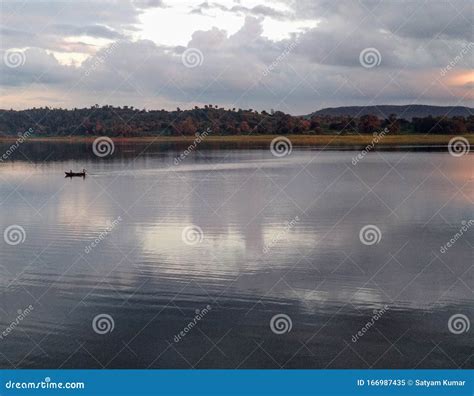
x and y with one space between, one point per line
106 277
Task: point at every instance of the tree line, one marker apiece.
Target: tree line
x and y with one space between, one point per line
128 121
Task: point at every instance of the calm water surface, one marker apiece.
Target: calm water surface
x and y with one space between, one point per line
279 236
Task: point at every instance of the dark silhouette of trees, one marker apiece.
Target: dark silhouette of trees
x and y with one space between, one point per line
129 121
369 124
392 124
440 125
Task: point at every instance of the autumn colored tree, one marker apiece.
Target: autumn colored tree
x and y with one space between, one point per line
187 127
392 124
369 124
129 121
244 127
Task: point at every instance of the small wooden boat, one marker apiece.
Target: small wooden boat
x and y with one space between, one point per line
76 174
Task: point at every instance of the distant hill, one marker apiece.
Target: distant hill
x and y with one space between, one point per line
407 112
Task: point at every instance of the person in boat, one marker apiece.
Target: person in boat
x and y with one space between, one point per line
71 173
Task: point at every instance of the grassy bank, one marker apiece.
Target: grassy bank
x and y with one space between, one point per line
297 140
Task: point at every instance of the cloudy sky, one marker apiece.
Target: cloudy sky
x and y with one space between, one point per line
292 55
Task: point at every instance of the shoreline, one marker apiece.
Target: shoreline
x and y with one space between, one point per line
297 140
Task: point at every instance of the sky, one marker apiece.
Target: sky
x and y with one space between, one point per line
296 56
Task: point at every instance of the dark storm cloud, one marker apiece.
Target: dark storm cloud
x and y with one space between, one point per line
423 19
